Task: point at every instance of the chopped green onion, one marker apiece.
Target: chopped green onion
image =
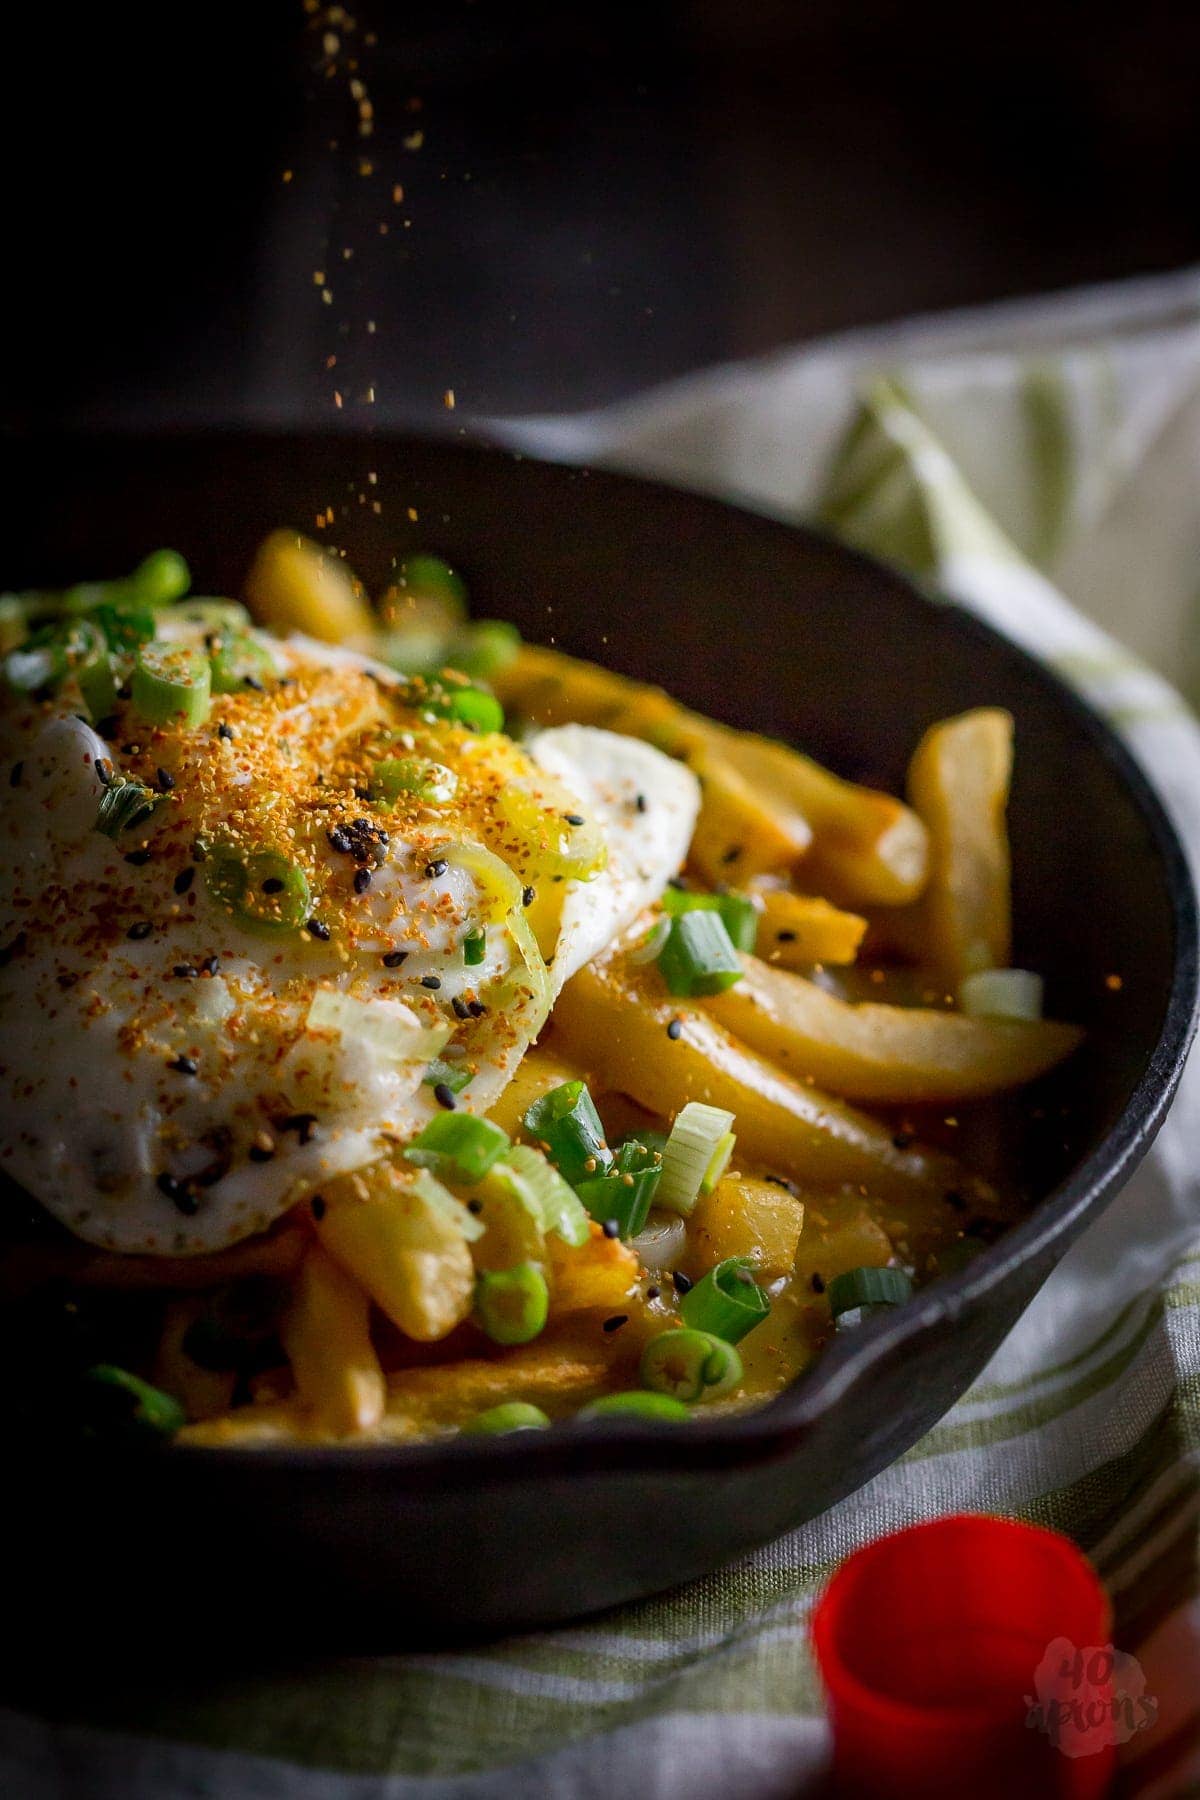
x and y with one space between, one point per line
125 624
429 577
719 1163
475 946
453 1075
458 1147
376 1030
220 616
513 1415
566 1121
728 1302
1002 994
661 1241
737 911
512 1304
475 709
650 948
859 1294
124 804
430 781
263 889
689 1365
625 1192
695 1139
172 683
76 648
524 1174
481 650
239 661
698 957
653 1408
163 577
121 1406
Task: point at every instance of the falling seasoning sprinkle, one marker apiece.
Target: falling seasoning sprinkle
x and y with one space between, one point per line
362 880
444 1096
185 1065
395 958
165 779
340 840
611 1228
104 771
616 1322
431 981
437 867
141 930
683 1284
675 1030
184 879
318 929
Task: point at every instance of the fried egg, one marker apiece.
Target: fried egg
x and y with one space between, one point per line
327 912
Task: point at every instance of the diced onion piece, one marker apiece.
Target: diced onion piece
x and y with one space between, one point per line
524 1174
661 1242
390 1030
1002 994
695 1137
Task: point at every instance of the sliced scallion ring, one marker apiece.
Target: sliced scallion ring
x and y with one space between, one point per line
429 781
652 1409
458 1147
689 1365
856 1294
512 1305
698 1133
511 1415
698 956
240 661
728 1302
160 578
172 685
566 1121
263 889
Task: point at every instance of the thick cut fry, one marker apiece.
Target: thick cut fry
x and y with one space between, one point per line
866 847
326 1335
797 930
295 585
958 781
601 1273
885 1054
616 1017
847 1238
408 1254
745 1217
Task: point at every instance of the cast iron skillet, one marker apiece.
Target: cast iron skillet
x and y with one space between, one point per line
763 625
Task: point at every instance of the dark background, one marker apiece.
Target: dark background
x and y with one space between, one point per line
605 196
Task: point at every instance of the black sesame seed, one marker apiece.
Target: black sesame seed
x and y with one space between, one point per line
317 1204
611 1228
184 1065
902 1139
640 803
616 1322
461 1010
731 855
362 880
272 885
316 928
683 1283
104 770
260 1154
475 1206
436 868
210 965
431 981
15 774
953 1198
141 930
340 840
528 896
253 683
185 971
476 1008
444 1096
678 883
226 732
182 1196
303 1124
139 858
165 779
394 958
675 1029
8 951
652 1293
786 937
573 818
107 726
184 879
818 1284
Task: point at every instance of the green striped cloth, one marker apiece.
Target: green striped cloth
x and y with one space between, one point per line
1012 457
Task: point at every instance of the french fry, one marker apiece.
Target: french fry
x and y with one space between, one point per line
797 930
848 1238
903 1055
295 585
615 1016
861 846
601 1273
326 1335
958 782
407 1253
744 1217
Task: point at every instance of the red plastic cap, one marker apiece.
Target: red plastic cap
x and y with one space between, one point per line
956 1656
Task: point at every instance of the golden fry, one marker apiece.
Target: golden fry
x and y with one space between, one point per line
617 1016
601 1273
407 1253
958 781
326 1335
903 1055
797 930
745 1217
